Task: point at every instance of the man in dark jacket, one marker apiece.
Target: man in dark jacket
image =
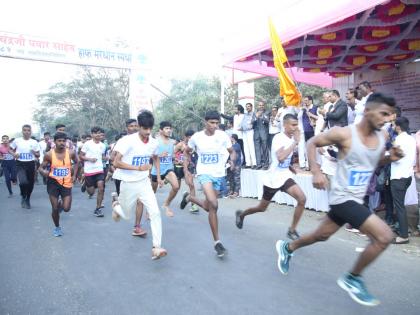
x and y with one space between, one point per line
261 124
337 115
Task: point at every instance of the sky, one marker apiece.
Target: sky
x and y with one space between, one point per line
182 39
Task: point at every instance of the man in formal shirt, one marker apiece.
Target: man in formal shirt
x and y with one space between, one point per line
247 128
337 116
261 124
309 117
401 175
365 90
351 104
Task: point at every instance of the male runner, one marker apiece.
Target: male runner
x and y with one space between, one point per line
26 152
166 153
60 178
280 176
133 153
93 153
211 145
179 166
361 149
131 128
8 164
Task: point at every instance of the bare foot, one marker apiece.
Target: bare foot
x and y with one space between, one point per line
168 211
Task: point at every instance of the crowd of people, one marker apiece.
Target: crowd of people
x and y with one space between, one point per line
371 147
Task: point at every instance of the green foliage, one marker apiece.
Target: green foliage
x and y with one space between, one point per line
267 89
99 97
189 100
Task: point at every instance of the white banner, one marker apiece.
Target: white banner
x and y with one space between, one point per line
403 84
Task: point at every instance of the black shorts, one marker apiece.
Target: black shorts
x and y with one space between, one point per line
94 179
349 212
268 192
162 177
57 190
179 172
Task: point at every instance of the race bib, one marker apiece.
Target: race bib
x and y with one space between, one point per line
209 158
61 172
285 163
26 156
166 160
359 178
140 160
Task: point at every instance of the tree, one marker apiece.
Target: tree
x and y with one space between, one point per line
267 89
189 101
99 97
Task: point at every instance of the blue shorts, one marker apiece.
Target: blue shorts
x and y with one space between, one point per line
216 181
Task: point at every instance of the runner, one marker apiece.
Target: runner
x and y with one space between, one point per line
8 164
133 153
60 178
166 153
131 127
179 167
93 153
26 152
280 176
211 145
361 149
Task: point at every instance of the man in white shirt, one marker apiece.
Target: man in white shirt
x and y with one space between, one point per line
401 175
133 154
211 145
93 153
280 176
365 89
26 152
247 128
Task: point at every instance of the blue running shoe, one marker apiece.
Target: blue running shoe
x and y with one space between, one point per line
356 288
284 256
57 232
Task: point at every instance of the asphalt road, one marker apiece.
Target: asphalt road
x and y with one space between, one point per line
97 267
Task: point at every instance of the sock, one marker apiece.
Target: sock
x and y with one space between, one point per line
353 275
218 241
288 249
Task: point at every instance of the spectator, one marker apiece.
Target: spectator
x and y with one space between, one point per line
365 90
351 104
261 124
275 125
247 128
309 117
337 115
235 174
401 175
237 129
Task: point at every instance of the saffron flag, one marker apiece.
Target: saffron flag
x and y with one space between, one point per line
288 90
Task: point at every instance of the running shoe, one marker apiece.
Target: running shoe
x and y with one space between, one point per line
220 250
184 200
57 232
356 288
194 209
284 256
239 221
98 212
293 235
158 252
138 231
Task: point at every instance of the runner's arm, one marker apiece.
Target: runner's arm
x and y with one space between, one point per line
118 163
74 158
156 163
47 160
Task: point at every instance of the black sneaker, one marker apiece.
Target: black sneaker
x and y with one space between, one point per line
239 221
184 200
220 250
293 235
99 213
